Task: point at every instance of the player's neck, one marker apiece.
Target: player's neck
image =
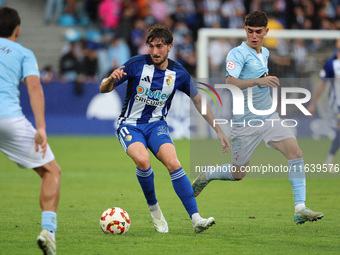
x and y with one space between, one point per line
163 65
257 49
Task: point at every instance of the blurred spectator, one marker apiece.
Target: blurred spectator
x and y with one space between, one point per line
89 64
2 3
299 17
117 54
109 12
159 10
171 5
233 13
71 7
218 51
279 11
125 24
47 74
143 8
91 7
273 23
187 55
138 33
300 55
53 7
69 65
210 10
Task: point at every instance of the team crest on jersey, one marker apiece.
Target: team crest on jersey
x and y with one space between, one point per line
128 138
230 65
169 81
162 130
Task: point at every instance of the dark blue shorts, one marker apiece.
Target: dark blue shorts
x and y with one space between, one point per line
152 135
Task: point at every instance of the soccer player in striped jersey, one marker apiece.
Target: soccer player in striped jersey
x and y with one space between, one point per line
19 140
152 81
247 67
331 73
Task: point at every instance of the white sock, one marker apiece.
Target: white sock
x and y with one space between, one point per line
155 210
298 207
329 159
51 235
195 217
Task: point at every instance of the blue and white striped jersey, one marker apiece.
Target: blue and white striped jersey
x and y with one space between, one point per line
331 71
150 90
245 63
16 62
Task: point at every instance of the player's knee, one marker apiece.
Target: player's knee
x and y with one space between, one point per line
173 165
297 153
143 163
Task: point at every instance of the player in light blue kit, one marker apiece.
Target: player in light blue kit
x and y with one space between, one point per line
331 73
19 140
247 67
152 81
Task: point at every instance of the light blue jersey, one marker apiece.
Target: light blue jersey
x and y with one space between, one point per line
244 63
16 62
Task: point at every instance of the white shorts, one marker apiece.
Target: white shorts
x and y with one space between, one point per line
244 140
17 143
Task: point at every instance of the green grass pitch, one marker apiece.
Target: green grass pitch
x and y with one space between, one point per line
254 216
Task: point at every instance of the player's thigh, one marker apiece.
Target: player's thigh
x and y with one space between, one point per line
128 135
283 139
17 143
167 155
244 141
134 143
157 135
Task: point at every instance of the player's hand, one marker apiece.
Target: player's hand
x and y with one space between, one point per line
118 73
271 81
224 142
40 138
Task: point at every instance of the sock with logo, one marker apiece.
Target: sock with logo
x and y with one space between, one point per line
183 189
49 222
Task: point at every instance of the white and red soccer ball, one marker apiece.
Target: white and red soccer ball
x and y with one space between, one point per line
115 221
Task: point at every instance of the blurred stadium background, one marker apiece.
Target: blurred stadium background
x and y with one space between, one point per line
77 45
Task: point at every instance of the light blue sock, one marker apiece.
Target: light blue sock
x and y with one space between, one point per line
145 179
220 173
182 187
297 180
49 221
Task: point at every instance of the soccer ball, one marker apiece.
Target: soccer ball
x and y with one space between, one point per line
115 221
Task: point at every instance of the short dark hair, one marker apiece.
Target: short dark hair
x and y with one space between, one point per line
256 19
9 20
161 32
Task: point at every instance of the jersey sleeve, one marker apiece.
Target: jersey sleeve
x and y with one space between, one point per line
30 65
234 63
188 86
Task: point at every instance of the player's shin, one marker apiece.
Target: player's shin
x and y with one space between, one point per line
298 181
146 181
182 187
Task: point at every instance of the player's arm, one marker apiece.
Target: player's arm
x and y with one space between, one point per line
209 117
270 81
107 84
320 88
37 102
